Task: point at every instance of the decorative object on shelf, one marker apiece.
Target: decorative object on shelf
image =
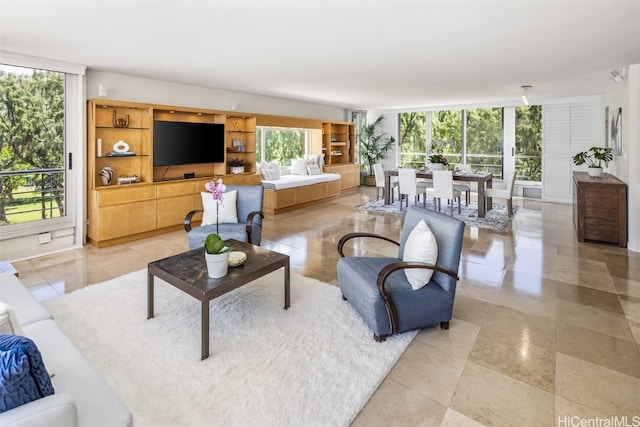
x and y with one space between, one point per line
127 179
121 147
238 145
120 123
236 165
216 256
237 258
236 125
616 132
374 144
438 162
99 147
106 175
594 157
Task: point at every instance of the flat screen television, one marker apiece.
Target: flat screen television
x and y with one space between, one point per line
182 143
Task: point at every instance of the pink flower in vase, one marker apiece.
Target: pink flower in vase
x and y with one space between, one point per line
217 189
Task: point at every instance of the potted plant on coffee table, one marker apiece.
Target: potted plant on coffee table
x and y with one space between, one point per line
594 157
216 255
374 145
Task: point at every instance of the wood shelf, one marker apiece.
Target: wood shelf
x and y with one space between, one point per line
161 198
338 142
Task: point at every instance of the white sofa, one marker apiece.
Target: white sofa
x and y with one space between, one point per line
82 397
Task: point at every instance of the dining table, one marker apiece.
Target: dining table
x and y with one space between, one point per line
484 180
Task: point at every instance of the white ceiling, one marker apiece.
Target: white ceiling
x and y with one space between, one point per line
351 54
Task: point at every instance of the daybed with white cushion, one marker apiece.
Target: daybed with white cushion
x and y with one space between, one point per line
293 189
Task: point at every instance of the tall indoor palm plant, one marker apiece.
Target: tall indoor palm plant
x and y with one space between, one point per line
374 144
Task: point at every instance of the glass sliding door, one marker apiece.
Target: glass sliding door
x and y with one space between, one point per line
33 180
413 140
447 134
529 143
484 137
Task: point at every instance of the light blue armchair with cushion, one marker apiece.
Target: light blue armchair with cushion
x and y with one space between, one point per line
378 288
247 229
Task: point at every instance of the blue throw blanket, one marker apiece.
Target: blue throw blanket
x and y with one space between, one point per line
23 376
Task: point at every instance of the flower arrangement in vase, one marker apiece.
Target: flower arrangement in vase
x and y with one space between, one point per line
236 165
438 161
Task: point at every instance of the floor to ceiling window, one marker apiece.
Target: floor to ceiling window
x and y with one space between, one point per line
447 135
32 145
484 137
529 143
475 137
42 117
413 153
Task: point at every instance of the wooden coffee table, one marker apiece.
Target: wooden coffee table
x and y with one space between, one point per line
188 272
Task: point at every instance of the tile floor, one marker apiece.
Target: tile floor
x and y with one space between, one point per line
546 330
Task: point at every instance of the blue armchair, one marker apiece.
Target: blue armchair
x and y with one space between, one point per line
249 226
378 289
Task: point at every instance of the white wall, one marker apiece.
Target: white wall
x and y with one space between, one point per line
134 89
626 94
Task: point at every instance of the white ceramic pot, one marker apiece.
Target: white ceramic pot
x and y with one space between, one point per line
217 264
594 172
237 169
437 166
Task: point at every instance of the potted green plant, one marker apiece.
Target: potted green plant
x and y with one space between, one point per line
594 157
216 253
236 165
438 162
373 145
216 256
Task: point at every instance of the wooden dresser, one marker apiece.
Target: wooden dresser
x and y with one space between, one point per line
600 208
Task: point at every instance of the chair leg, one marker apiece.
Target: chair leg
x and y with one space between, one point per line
380 338
444 325
459 210
509 207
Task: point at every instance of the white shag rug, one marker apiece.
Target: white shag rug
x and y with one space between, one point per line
315 364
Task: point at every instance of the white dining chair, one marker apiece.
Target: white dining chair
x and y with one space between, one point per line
379 174
443 189
463 186
408 185
503 194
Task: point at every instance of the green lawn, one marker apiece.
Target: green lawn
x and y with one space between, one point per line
26 207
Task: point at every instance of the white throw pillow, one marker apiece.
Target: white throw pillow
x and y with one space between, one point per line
227 213
298 167
269 175
314 169
276 167
285 170
8 322
421 246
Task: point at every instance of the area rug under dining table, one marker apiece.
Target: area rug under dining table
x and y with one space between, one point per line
496 218
315 364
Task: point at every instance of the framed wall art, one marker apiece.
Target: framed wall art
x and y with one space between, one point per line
616 131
